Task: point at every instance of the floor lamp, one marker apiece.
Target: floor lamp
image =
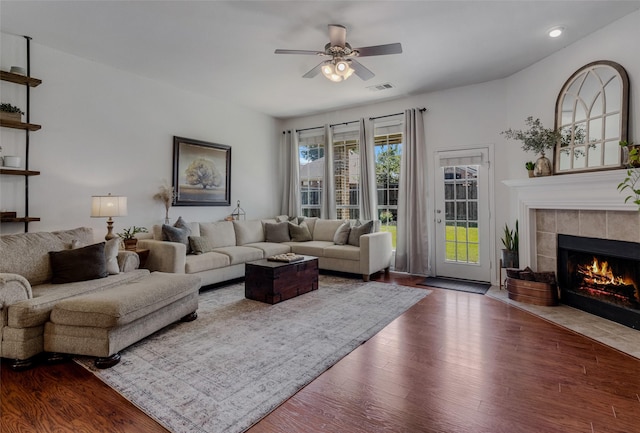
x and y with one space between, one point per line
108 206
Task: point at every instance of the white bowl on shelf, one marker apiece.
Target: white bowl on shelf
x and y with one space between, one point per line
12 161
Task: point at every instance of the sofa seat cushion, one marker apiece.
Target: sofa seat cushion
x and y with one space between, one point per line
270 248
345 252
205 262
311 248
125 303
241 254
35 311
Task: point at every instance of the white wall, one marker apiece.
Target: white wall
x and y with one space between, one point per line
108 131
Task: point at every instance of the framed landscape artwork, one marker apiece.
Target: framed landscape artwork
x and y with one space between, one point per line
201 173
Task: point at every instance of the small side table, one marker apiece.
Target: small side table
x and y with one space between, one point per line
143 254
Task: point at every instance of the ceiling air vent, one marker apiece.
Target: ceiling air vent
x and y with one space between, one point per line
379 87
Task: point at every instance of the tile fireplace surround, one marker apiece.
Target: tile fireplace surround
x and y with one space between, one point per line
581 204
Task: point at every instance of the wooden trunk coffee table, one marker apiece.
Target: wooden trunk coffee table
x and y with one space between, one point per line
273 282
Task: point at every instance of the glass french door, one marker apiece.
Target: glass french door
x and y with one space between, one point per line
462 215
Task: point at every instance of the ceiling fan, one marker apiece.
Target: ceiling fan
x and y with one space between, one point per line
342 63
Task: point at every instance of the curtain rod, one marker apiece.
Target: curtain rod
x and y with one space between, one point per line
343 123
422 110
309 129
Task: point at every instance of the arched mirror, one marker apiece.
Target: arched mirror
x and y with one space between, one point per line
591 114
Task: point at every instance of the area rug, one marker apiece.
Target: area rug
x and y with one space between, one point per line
454 284
241 359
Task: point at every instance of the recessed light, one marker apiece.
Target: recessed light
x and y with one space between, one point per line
555 32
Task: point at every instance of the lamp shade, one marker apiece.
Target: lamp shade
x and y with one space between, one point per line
108 206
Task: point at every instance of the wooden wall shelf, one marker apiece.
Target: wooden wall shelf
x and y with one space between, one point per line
19 172
19 79
19 220
20 125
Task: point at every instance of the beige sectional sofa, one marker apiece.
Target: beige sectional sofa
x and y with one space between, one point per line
42 310
233 243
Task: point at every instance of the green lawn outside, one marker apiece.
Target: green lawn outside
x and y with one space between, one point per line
392 230
466 238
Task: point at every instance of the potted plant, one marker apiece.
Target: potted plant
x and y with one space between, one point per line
10 112
511 242
530 166
631 182
128 237
536 139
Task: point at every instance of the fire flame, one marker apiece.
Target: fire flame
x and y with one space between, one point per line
599 273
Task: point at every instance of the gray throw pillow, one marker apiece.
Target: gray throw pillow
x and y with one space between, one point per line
200 244
179 232
342 234
299 233
357 231
277 232
80 264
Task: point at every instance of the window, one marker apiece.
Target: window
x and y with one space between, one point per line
346 169
311 153
388 150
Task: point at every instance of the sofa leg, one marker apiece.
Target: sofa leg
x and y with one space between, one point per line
365 277
57 358
190 317
23 364
107 362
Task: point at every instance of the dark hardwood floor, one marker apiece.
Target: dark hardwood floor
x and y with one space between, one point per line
455 362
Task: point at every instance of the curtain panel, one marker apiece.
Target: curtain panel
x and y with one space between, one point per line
328 209
412 237
368 185
291 187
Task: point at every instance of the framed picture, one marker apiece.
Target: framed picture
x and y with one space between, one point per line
201 173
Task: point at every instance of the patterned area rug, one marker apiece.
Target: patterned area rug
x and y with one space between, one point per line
454 284
241 359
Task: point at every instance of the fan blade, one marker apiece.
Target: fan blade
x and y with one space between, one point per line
315 71
337 35
315 53
360 70
379 50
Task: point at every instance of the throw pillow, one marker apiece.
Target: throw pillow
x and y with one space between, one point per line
179 232
111 248
342 234
81 264
357 231
277 232
296 220
299 233
200 244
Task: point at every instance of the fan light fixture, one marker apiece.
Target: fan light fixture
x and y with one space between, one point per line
337 70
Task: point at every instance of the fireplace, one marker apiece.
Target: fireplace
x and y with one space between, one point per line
600 276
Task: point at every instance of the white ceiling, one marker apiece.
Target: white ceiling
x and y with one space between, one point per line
226 48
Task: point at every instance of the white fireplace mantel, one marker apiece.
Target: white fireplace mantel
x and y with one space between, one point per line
578 191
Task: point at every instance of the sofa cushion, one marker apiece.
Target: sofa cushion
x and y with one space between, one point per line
200 244
248 232
205 262
311 248
220 233
277 232
341 236
111 249
81 264
270 248
344 252
299 233
357 231
27 254
241 254
324 230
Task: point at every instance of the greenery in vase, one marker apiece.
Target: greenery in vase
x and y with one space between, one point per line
536 138
510 239
8 108
131 232
529 165
631 183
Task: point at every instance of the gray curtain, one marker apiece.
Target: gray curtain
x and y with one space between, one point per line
291 188
368 184
412 240
328 209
